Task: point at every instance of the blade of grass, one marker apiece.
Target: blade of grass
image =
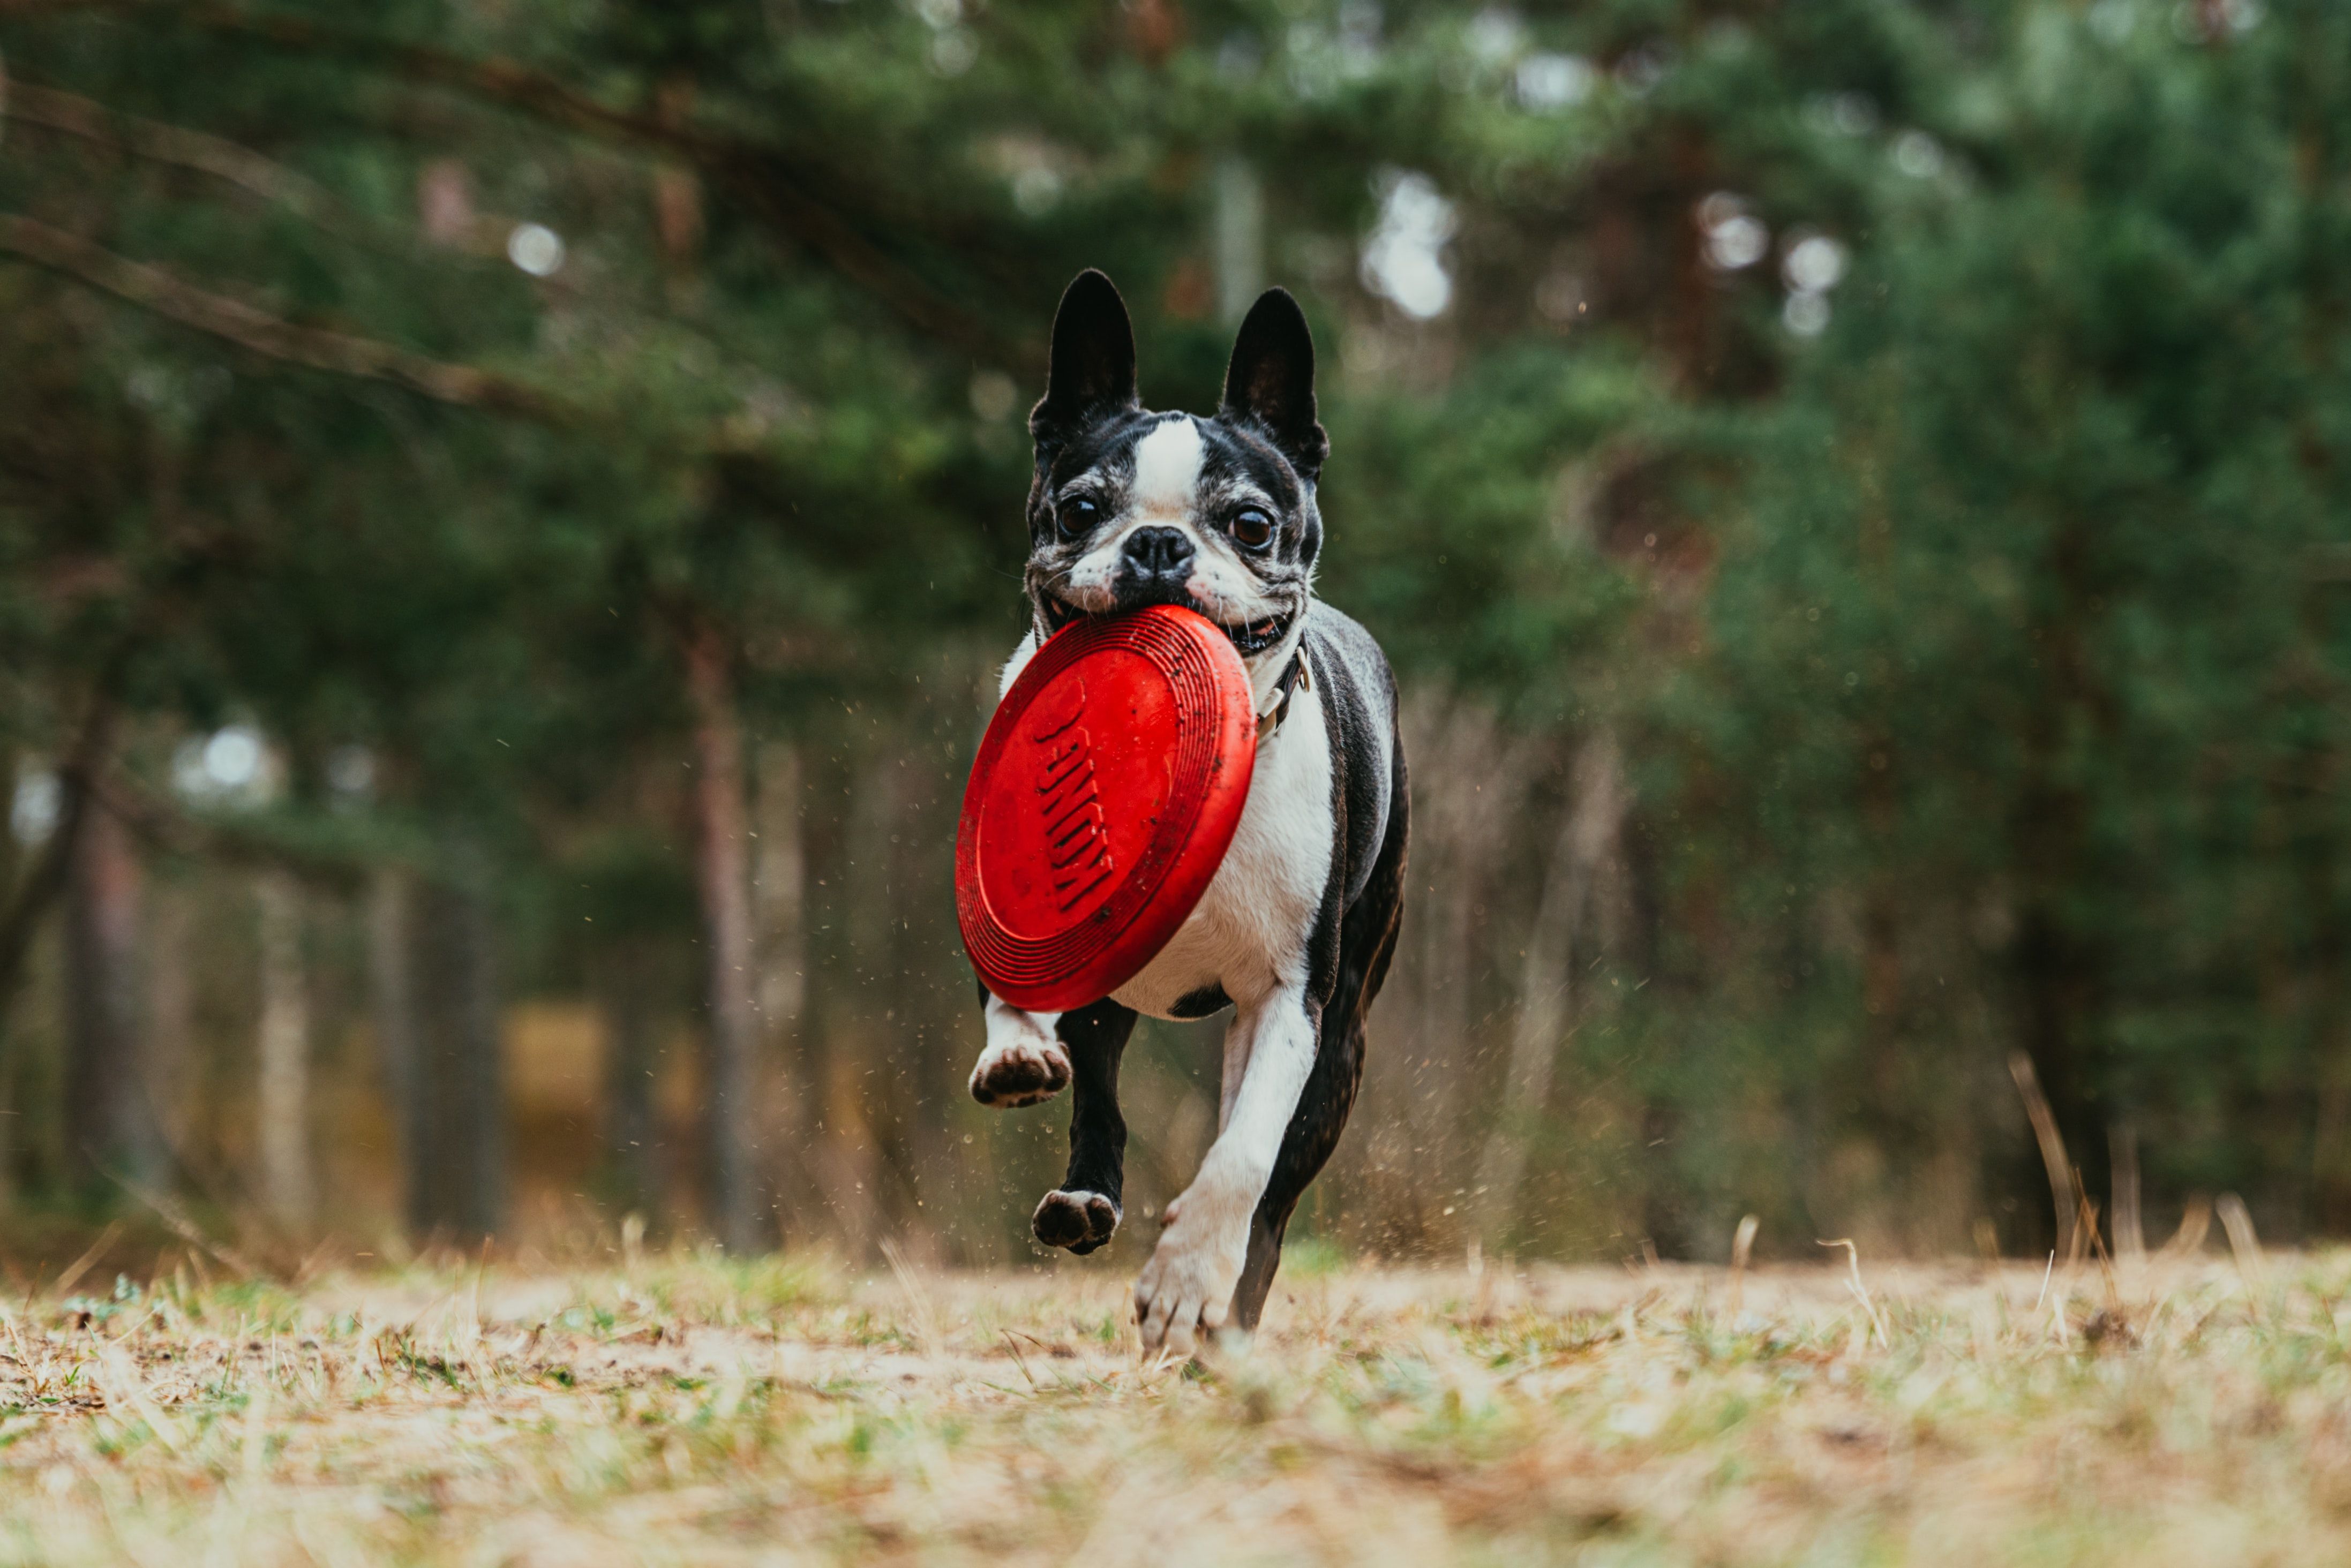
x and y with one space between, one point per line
2062 1188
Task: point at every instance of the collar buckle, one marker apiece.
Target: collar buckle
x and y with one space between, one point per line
1293 680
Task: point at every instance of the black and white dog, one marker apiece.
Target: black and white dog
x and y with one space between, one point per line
1131 508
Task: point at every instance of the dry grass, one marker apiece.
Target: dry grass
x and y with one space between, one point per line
691 1410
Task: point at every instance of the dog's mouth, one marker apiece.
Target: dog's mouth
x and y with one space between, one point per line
1251 638
1259 635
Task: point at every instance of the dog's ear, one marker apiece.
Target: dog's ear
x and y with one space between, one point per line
1271 381
1093 366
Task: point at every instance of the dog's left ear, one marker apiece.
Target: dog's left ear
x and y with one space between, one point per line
1271 381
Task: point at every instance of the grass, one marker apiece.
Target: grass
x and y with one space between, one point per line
689 1409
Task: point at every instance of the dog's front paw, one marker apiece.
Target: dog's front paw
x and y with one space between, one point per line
1081 1221
1024 1071
1188 1284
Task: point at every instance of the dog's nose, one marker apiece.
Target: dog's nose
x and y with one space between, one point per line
1159 552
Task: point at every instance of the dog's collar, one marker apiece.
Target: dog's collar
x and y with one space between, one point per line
1293 680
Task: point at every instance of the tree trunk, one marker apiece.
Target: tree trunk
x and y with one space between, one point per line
109 1131
2060 963
1240 238
838 1152
1664 1217
723 879
781 903
170 1022
462 1081
874 1033
12 870
480 1081
934 1054
12 855
392 1001
630 1133
1545 1006
283 1081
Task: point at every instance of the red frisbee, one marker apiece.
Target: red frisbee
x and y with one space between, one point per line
1106 792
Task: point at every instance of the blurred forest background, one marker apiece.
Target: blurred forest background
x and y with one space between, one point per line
510 510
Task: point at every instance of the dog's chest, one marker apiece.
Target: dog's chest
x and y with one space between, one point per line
1250 932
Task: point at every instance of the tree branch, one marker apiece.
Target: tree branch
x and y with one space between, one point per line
154 289
47 879
221 158
762 178
162 825
338 353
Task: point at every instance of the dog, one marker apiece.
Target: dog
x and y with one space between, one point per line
1128 508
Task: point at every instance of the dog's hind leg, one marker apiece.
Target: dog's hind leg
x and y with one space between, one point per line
1367 937
1083 1211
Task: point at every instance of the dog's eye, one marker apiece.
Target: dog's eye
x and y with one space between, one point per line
1077 514
1252 529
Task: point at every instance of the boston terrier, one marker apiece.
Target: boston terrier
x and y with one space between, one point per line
1131 508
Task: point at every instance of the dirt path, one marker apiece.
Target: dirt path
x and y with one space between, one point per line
696 1411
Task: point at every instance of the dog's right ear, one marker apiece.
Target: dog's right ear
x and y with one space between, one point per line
1271 381
1092 368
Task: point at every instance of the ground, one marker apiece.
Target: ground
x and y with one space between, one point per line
689 1409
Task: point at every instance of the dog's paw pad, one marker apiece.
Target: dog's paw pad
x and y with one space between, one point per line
1021 1074
1081 1221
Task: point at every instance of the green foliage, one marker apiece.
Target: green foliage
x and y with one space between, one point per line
1977 663
2024 615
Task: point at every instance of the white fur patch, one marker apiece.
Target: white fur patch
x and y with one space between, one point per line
1016 664
1227 590
1024 1043
1250 930
1167 469
1009 1028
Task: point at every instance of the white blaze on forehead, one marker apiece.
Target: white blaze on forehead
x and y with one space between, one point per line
1167 467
